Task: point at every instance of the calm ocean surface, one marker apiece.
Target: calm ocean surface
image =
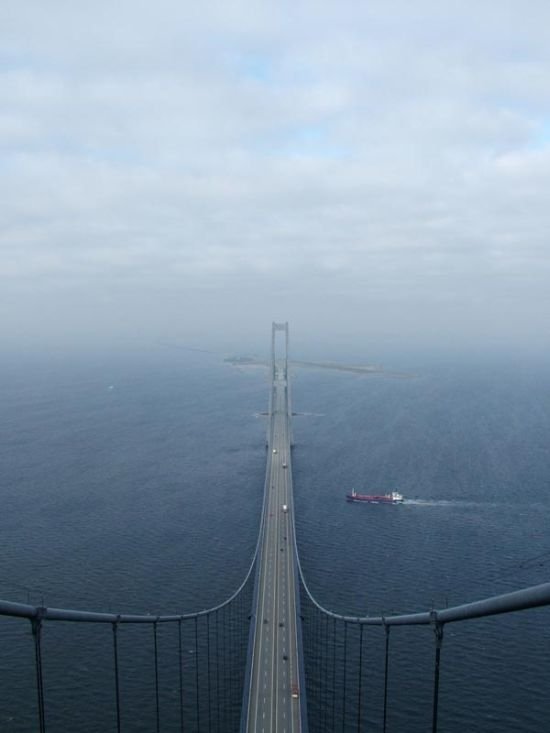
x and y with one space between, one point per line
135 484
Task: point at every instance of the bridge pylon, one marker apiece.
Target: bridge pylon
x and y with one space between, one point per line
281 360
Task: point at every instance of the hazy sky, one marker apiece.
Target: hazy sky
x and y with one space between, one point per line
374 171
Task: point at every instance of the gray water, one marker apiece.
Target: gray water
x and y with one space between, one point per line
135 484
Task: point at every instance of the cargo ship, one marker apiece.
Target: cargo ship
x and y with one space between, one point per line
392 498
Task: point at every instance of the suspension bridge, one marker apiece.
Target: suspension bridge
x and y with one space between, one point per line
270 659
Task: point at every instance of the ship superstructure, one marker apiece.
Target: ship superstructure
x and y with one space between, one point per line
394 497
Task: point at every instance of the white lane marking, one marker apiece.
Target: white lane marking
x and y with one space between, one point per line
274 650
266 559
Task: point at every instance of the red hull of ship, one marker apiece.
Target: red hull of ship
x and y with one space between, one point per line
373 498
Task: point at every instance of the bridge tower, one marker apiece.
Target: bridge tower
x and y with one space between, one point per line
284 361
274 328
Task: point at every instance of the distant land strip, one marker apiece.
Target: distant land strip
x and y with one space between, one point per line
366 369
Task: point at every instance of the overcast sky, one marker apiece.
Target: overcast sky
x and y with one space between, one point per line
369 171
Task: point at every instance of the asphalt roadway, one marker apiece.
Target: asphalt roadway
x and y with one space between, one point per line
274 696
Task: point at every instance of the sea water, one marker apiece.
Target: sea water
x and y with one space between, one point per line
134 483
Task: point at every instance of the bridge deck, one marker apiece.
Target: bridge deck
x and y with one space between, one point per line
274 704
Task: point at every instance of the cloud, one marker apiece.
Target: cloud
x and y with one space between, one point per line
309 161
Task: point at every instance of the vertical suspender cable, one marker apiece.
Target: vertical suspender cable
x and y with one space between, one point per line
325 684
359 685
320 663
117 684
438 629
386 670
241 621
157 707
36 624
234 637
344 690
208 671
333 673
230 664
180 665
237 643
197 672
217 675
314 652
224 641
312 639
308 633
